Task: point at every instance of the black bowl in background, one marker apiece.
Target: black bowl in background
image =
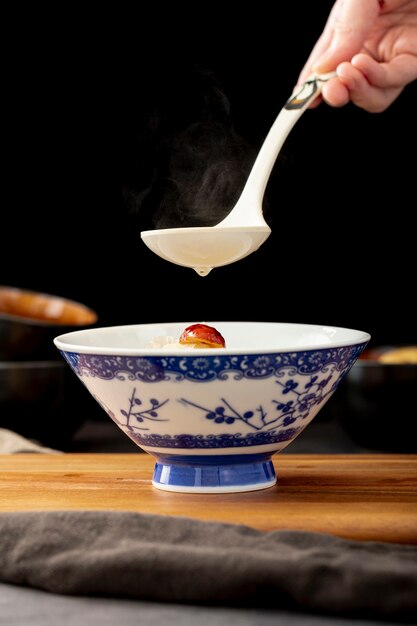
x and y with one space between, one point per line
43 400
376 404
29 322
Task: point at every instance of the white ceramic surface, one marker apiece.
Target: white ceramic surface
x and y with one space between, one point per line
212 418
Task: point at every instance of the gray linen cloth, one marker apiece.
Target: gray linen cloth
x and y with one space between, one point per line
177 559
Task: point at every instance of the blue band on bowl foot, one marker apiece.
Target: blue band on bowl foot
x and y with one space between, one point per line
214 474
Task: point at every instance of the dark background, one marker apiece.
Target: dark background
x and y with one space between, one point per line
98 115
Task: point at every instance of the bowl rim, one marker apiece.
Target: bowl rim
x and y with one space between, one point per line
35 321
65 342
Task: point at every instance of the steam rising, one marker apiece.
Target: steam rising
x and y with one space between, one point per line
192 165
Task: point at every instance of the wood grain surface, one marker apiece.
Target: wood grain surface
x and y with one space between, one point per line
366 497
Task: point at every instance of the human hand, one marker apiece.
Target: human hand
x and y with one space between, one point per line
372 45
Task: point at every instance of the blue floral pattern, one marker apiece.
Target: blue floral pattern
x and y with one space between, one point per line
141 413
293 403
151 369
301 383
235 440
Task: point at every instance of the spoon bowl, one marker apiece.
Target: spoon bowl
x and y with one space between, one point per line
203 248
244 229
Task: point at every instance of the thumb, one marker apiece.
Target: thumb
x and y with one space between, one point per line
351 26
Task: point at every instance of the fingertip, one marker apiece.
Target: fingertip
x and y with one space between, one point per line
359 59
335 93
344 71
364 63
352 78
373 72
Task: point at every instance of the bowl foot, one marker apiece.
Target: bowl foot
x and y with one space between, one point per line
214 474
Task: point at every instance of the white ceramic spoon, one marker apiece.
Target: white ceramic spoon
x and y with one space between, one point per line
244 229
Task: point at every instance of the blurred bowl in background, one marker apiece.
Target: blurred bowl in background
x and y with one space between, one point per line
376 401
42 400
29 321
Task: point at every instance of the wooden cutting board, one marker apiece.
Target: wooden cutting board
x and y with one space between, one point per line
366 497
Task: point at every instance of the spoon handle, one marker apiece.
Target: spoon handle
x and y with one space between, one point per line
308 91
253 192
288 116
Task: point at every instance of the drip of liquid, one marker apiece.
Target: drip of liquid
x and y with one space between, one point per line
203 270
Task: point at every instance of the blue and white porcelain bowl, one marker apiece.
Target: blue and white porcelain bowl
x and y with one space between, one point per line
213 418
